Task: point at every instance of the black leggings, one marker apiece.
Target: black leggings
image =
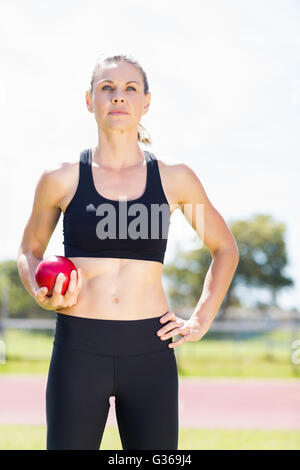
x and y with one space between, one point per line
93 359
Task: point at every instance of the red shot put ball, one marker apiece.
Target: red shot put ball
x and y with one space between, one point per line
48 270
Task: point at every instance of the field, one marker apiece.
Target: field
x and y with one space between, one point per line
263 355
260 356
33 438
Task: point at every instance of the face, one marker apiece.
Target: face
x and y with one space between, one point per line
125 91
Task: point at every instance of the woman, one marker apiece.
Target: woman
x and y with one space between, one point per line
114 329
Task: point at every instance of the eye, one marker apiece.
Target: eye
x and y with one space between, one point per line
110 87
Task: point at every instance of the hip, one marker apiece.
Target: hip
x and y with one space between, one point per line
110 337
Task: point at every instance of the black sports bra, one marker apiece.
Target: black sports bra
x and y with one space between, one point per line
94 226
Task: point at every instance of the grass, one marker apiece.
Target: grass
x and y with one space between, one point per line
265 355
21 437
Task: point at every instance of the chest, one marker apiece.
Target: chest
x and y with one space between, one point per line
112 185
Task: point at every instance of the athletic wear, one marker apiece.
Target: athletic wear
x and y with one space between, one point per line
93 359
95 226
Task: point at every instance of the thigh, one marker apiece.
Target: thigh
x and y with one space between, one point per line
146 401
77 398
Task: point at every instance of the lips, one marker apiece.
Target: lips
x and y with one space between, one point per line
118 111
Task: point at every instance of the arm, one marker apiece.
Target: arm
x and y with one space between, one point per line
38 230
219 240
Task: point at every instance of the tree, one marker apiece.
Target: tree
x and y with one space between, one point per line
262 261
263 258
20 303
263 255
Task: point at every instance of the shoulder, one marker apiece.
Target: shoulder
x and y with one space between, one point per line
60 175
59 171
182 178
177 168
55 180
170 166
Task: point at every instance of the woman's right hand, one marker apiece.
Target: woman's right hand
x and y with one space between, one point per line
57 300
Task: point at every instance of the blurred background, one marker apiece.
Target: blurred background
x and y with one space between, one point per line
225 84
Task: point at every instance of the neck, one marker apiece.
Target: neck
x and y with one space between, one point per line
118 149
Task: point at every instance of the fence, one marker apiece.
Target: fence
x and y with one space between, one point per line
276 341
238 326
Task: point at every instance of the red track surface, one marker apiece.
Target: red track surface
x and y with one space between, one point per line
203 403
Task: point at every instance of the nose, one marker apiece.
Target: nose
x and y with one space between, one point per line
117 95
115 100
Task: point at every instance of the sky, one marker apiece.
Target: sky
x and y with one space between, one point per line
225 85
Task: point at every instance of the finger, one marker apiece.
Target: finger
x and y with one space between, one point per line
72 283
169 327
175 332
168 316
40 293
57 295
79 281
41 298
180 341
58 282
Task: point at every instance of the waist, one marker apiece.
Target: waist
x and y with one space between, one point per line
109 337
128 291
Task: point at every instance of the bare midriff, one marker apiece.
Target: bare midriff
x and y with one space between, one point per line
119 289
114 288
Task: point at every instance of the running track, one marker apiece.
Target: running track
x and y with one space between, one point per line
203 403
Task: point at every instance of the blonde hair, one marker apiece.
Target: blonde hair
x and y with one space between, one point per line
143 134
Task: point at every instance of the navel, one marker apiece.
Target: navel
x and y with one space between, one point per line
115 298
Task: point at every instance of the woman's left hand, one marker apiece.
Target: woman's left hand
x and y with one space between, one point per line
190 330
